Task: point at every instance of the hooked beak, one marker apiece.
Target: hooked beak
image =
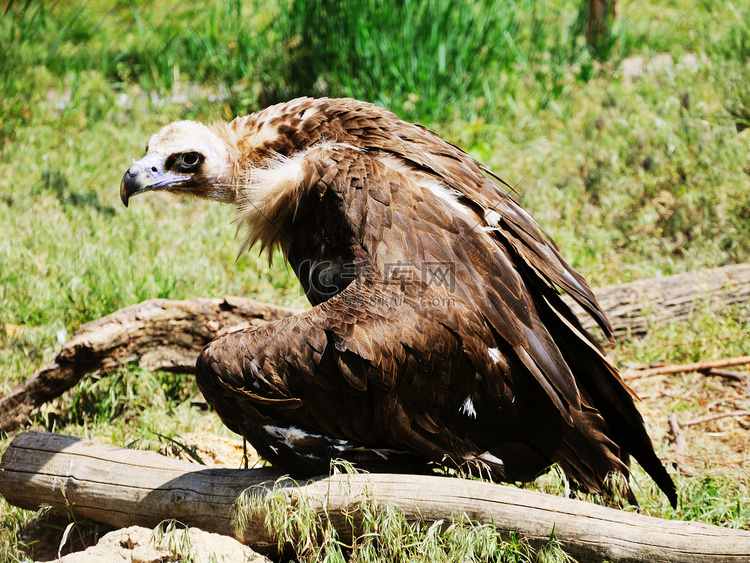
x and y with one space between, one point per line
146 175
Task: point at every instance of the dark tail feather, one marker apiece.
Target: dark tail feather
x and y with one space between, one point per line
605 390
656 469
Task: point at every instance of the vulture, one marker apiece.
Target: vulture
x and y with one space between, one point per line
437 336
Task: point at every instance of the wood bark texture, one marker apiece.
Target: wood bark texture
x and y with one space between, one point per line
634 307
601 17
159 334
163 334
120 487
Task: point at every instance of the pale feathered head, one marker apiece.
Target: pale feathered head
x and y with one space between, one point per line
184 157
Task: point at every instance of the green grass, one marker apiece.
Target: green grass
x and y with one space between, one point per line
379 532
633 177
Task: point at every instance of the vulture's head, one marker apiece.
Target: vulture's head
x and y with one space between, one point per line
184 157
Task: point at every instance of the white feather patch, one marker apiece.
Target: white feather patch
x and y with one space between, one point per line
492 217
274 192
448 195
269 195
437 188
284 175
487 457
290 435
494 354
467 408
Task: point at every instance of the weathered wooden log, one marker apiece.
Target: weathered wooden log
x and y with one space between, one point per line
168 335
122 487
159 334
633 308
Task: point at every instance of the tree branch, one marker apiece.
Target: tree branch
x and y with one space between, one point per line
670 369
709 418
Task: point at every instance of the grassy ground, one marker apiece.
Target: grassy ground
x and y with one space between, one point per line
635 171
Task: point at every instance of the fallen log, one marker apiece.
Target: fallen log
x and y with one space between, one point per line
634 307
159 334
168 335
120 487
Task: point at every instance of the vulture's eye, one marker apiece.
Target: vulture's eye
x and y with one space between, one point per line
188 161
